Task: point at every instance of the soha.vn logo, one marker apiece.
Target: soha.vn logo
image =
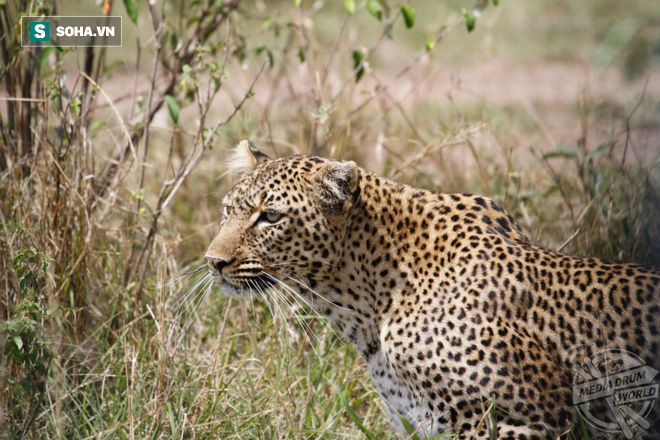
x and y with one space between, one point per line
40 31
71 31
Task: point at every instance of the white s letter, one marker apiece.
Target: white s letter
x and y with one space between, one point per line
40 31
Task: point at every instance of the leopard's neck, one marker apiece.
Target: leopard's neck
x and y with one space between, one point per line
375 268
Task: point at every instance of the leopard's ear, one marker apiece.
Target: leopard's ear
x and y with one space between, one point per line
244 159
336 184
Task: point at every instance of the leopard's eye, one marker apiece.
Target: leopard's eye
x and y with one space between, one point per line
273 216
227 209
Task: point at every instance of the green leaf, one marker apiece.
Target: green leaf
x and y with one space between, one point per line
22 283
357 60
430 44
375 8
76 104
271 59
217 83
409 15
18 341
301 55
175 43
297 2
350 6
354 416
562 150
43 56
408 427
137 195
96 126
173 107
583 427
496 2
132 10
470 21
600 150
110 68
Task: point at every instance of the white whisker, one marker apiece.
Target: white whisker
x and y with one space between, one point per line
176 280
274 303
297 295
307 330
183 300
198 293
197 303
265 297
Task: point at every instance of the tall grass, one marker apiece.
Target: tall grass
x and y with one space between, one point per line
111 185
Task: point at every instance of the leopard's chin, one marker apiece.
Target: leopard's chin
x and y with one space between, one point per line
234 291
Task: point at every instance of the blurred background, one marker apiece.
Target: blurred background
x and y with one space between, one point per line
112 161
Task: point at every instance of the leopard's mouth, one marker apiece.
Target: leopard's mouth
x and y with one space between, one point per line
243 286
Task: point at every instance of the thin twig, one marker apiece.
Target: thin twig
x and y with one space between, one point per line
564 244
457 139
158 30
167 193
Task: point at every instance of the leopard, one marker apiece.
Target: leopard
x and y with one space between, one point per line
467 328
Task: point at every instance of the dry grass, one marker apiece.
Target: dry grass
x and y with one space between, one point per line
105 199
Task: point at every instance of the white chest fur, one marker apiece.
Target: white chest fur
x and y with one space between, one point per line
400 400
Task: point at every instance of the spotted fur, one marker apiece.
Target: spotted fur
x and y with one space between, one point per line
452 308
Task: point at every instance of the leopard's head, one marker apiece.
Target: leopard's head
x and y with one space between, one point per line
283 221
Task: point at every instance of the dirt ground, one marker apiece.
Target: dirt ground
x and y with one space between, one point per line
544 97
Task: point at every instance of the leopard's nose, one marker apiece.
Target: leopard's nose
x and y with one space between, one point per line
217 263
